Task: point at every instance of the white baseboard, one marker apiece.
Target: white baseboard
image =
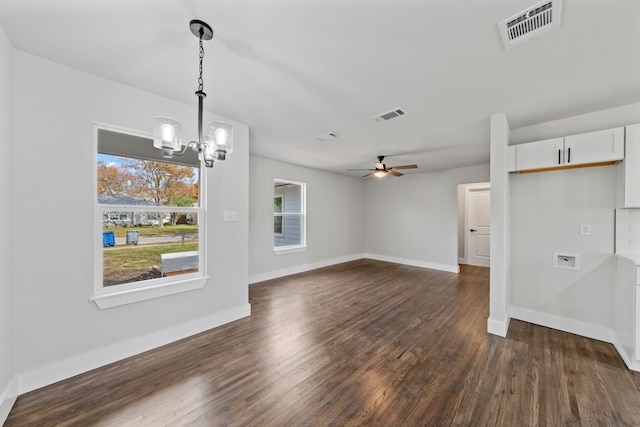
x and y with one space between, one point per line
84 362
573 326
261 277
455 268
498 327
632 364
8 398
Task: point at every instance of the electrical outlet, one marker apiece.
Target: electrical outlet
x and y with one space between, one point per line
230 216
585 229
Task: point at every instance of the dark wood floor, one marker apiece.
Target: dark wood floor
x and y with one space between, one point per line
365 342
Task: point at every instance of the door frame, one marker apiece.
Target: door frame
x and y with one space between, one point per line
463 216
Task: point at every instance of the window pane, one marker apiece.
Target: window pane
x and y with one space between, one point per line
128 181
139 242
288 208
291 231
277 225
136 248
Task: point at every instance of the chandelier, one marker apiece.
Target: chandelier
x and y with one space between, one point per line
212 146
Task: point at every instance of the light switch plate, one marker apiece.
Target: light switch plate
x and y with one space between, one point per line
585 229
230 216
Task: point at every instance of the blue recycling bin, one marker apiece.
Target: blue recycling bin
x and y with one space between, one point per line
108 239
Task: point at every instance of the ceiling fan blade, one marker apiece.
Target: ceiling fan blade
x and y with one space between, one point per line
379 165
364 176
360 169
394 173
403 167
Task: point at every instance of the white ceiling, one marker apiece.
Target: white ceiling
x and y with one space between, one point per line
293 70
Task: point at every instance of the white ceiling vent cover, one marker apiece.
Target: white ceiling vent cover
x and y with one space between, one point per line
531 23
329 136
397 112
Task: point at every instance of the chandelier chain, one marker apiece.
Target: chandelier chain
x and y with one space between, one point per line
200 81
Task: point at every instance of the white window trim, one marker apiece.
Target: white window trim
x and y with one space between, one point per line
121 297
283 250
127 293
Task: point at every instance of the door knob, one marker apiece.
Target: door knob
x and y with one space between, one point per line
472 230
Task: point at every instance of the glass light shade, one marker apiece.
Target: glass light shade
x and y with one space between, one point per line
208 154
222 135
166 135
379 173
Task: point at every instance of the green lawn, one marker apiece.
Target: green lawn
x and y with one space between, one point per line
167 230
140 257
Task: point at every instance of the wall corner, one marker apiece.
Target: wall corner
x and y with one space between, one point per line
498 322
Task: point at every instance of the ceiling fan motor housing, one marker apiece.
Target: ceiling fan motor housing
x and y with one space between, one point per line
380 169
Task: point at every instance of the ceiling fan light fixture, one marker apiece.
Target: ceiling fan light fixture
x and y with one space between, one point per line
380 173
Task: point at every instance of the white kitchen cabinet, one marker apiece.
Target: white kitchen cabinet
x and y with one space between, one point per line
627 310
631 165
540 154
593 148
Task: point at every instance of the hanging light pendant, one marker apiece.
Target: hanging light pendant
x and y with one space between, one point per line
166 133
219 139
222 133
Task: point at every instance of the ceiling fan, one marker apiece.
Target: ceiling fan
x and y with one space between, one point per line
382 170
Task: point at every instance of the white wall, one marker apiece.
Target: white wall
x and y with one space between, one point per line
58 331
7 383
335 219
546 209
413 219
462 250
598 120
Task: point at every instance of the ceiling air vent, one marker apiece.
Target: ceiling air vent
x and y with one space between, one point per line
329 136
531 23
390 115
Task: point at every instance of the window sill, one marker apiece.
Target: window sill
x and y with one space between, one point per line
289 250
122 297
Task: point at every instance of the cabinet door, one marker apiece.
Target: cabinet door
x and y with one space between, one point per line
632 167
512 165
624 306
637 325
594 147
540 154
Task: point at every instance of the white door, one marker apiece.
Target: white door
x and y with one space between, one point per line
478 203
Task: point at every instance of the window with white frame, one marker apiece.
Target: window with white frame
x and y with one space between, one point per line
289 219
149 215
277 216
